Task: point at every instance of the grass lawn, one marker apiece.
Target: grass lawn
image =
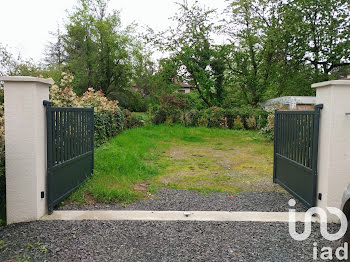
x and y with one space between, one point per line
140 160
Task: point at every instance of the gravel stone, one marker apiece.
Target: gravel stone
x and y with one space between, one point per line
158 241
185 200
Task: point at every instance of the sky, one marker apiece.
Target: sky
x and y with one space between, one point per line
25 24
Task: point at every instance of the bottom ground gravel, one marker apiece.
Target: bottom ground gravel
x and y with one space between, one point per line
175 199
155 241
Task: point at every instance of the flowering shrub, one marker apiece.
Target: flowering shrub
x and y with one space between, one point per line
62 95
109 119
97 99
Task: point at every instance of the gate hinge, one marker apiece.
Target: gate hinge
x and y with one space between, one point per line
47 103
319 106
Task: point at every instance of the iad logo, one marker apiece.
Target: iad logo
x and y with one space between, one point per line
326 252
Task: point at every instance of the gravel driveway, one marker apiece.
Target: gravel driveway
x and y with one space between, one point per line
174 199
155 241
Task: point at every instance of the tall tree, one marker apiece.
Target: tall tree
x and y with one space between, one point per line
191 44
97 48
55 50
320 32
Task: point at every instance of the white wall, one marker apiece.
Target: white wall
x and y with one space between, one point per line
25 147
334 141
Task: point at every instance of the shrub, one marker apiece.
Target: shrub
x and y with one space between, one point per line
216 117
132 120
238 123
251 122
171 109
98 100
190 118
261 116
109 120
62 95
159 117
269 128
230 115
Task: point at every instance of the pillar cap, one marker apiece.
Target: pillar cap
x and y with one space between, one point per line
26 79
332 83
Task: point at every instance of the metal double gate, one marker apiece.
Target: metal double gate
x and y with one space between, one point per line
70 150
295 153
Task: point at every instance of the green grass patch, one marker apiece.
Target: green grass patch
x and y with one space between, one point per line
141 160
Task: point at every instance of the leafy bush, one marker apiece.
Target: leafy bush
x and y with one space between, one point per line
251 122
269 128
216 117
238 123
261 116
190 118
171 109
109 119
132 120
159 116
107 125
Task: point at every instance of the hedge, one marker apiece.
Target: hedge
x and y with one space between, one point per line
216 117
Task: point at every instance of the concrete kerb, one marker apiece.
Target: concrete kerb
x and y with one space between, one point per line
218 216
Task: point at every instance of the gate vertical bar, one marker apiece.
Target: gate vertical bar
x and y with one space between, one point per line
275 144
316 128
92 138
49 148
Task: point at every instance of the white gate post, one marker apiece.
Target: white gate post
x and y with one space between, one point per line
25 147
334 142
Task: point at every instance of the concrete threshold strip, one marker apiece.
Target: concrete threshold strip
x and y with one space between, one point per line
219 216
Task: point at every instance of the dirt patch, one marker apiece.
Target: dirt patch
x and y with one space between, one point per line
143 189
231 169
176 153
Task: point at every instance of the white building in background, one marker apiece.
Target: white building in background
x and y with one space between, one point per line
185 88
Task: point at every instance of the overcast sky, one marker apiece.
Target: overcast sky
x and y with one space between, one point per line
25 24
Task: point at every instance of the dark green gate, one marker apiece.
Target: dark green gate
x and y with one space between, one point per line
70 150
295 153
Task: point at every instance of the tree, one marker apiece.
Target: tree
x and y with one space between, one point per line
320 32
97 49
200 61
55 50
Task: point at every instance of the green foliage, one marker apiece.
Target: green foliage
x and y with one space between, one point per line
171 109
215 117
190 118
201 62
133 120
107 125
97 48
130 100
237 123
